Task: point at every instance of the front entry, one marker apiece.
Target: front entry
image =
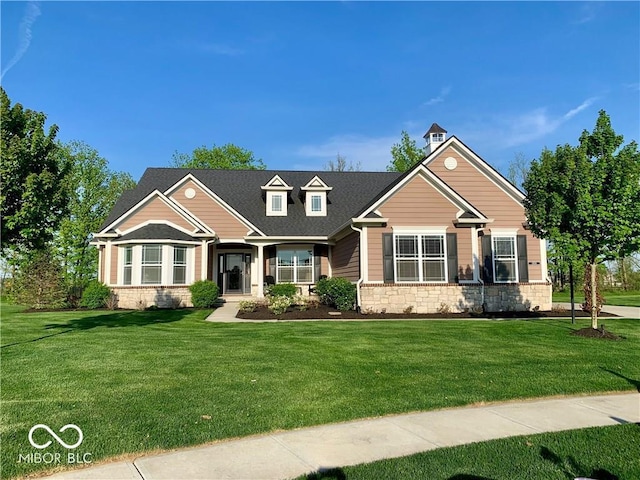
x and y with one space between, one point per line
234 273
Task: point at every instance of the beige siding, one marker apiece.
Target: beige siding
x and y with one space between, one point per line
114 265
154 209
345 257
418 204
197 271
207 210
465 254
375 257
533 255
324 265
477 189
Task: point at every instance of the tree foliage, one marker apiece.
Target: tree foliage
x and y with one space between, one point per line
340 164
34 188
587 198
94 190
39 284
226 157
405 154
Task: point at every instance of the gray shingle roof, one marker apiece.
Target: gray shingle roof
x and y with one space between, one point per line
240 189
157 232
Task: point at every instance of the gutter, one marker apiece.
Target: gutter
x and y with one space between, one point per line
360 280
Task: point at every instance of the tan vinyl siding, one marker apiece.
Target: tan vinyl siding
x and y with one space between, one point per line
533 255
478 190
197 270
465 254
207 210
375 257
114 265
155 209
418 204
345 257
324 265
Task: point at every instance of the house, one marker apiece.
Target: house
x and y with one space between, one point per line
450 234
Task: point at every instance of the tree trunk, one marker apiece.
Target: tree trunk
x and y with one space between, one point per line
573 305
594 298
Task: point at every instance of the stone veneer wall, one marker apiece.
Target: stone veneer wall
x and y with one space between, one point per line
162 297
434 298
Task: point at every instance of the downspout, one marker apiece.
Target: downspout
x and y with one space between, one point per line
360 280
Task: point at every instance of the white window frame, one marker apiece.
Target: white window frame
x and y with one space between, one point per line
295 265
271 196
420 255
167 265
127 265
153 265
174 264
309 196
495 259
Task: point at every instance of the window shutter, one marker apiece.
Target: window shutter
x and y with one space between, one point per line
317 262
387 253
523 263
271 252
487 262
452 258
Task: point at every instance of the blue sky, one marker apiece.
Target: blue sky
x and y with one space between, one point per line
297 83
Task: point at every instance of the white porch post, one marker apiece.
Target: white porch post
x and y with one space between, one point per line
260 270
204 260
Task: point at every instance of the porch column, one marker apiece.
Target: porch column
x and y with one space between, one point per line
260 270
204 260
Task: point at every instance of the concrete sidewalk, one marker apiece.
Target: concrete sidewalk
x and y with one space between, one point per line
626 312
289 454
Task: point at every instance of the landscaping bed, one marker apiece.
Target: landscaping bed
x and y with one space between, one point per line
261 312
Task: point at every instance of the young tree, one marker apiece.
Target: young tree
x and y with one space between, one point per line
34 193
589 198
226 157
94 190
518 170
405 154
340 164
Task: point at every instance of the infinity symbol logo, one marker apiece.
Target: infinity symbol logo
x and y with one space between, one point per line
52 433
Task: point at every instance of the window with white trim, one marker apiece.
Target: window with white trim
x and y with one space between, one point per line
294 266
276 203
151 264
505 264
316 203
420 258
179 265
127 266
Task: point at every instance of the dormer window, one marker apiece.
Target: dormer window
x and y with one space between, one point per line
277 196
316 197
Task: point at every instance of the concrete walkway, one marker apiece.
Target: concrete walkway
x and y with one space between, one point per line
289 454
626 312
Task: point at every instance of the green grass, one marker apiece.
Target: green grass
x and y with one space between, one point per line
617 297
139 381
601 453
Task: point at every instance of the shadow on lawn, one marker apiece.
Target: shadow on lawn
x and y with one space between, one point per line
635 383
572 469
327 474
109 320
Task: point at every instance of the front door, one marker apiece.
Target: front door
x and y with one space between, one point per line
234 273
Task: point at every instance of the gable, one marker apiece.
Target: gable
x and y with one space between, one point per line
153 209
199 203
477 186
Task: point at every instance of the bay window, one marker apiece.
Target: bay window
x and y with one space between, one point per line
128 265
179 265
151 264
155 264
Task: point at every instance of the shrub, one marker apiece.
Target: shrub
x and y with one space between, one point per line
337 292
283 290
278 305
247 306
95 295
204 293
39 284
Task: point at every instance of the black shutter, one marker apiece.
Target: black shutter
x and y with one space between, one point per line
523 263
487 262
452 257
387 253
317 262
271 253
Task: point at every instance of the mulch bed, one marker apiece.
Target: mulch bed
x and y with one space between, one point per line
596 333
324 312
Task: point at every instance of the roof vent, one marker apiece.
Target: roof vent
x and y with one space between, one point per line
435 136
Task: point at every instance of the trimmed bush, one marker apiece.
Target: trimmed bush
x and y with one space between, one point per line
337 292
204 293
95 295
283 290
278 305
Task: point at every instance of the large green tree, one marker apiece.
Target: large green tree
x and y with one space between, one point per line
94 190
405 154
34 193
226 157
587 198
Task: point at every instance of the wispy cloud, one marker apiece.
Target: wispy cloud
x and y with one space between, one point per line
444 91
633 86
587 12
373 153
32 12
220 49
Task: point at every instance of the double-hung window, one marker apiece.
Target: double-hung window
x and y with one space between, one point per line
127 266
316 203
179 265
276 203
151 264
295 266
420 258
505 265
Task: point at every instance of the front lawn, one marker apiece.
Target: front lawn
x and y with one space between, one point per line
617 297
599 453
139 381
